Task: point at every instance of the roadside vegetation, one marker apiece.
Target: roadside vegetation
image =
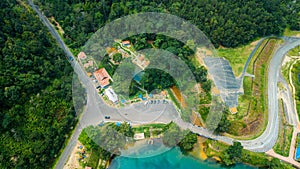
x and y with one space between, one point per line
230 155
291 67
105 141
251 118
174 136
285 134
96 152
289 32
237 57
296 83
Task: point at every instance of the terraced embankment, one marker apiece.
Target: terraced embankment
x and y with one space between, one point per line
253 110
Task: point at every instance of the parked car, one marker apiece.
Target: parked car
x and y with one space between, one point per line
71 58
107 117
98 87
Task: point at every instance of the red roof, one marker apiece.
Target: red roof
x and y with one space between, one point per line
102 77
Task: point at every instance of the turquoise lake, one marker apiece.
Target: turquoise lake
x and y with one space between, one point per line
170 159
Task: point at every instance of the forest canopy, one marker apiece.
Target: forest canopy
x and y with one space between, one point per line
229 23
36 112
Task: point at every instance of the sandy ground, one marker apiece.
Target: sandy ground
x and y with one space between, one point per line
198 150
254 43
73 162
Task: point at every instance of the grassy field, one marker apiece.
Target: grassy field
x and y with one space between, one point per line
288 32
296 83
215 149
251 119
157 129
284 139
295 51
173 98
237 57
293 65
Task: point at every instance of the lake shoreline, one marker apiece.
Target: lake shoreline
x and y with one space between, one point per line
172 158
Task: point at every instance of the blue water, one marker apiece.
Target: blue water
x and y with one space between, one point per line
172 159
297 156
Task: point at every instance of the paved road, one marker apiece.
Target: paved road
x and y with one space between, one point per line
267 140
289 107
96 108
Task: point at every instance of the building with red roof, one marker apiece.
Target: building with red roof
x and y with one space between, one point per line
102 77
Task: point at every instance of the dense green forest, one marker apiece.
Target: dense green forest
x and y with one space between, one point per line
36 113
226 22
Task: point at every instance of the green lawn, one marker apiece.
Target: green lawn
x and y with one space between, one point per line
157 129
237 57
217 149
288 32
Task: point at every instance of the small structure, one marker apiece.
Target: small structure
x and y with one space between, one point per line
88 167
89 74
126 43
102 77
233 110
81 55
112 96
163 93
139 136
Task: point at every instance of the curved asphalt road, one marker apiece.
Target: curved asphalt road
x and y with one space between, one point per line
93 115
289 108
268 139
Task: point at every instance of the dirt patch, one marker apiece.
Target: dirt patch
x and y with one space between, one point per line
73 162
195 119
199 149
179 97
201 53
254 43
